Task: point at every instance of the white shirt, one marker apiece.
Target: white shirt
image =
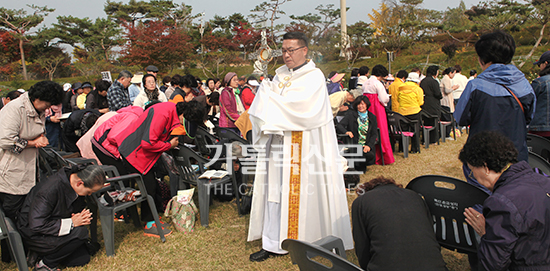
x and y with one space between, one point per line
374 86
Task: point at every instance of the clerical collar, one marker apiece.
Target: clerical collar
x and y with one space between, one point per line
298 67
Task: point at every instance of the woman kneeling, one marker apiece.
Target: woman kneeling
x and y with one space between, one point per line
51 218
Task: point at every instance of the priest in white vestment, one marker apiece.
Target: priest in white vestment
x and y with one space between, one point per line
299 191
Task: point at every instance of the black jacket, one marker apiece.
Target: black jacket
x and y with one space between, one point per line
392 230
432 96
39 219
349 124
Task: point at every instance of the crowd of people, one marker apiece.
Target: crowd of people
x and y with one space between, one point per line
132 121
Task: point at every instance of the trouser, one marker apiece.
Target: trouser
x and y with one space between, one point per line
11 205
72 254
415 147
108 160
151 186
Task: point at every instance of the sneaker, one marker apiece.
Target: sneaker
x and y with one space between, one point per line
40 266
449 138
119 217
153 232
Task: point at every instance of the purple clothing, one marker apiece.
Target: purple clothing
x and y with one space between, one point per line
517 222
228 108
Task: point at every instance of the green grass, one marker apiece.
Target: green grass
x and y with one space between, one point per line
223 245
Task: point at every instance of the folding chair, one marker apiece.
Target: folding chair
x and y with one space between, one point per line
443 125
446 199
539 145
107 213
302 254
426 129
8 231
396 122
537 161
188 174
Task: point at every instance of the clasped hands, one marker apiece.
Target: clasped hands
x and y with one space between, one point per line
82 218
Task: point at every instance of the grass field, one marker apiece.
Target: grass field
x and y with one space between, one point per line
223 245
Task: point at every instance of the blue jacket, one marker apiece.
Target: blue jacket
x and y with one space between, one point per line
486 105
541 119
517 222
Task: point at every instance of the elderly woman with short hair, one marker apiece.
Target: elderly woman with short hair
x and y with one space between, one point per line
515 225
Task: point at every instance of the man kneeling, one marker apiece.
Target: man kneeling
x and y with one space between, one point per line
51 218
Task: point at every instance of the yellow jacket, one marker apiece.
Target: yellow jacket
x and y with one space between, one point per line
410 98
394 90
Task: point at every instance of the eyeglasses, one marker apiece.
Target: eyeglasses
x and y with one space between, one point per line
291 51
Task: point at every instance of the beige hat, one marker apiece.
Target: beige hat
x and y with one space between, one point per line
356 92
337 77
137 79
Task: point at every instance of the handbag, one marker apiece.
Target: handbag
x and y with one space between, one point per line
183 216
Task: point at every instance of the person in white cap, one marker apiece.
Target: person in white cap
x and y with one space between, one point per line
410 98
249 91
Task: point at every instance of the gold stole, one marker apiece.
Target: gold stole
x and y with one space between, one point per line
294 191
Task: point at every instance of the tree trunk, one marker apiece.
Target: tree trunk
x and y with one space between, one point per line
541 35
23 59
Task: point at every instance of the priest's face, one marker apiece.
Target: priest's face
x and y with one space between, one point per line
294 53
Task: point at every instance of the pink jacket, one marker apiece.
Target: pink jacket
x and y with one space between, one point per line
228 108
84 144
105 135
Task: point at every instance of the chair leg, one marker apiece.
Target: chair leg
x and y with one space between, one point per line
442 132
108 229
237 190
93 225
16 245
153 208
426 138
204 202
406 143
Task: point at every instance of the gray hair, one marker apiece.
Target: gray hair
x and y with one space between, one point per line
125 74
91 176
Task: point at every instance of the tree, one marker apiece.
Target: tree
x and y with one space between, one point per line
449 49
219 52
317 26
19 24
172 13
9 54
131 12
360 34
269 11
389 32
50 63
246 36
493 15
156 43
97 37
541 17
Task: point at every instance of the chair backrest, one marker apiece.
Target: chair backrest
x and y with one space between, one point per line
446 199
3 225
183 157
232 136
202 139
537 161
396 121
539 145
302 254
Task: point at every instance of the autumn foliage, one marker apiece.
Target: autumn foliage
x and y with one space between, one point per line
156 43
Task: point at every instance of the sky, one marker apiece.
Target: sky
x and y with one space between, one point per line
94 8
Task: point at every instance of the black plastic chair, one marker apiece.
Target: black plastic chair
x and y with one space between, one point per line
537 161
396 124
539 145
9 231
187 174
443 124
303 254
203 139
107 213
426 129
447 198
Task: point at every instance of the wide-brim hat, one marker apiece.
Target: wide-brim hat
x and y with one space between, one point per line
414 77
87 85
337 77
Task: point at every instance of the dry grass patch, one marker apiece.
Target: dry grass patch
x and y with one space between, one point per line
223 245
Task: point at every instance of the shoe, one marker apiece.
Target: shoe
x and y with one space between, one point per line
119 217
153 232
449 138
263 255
40 266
